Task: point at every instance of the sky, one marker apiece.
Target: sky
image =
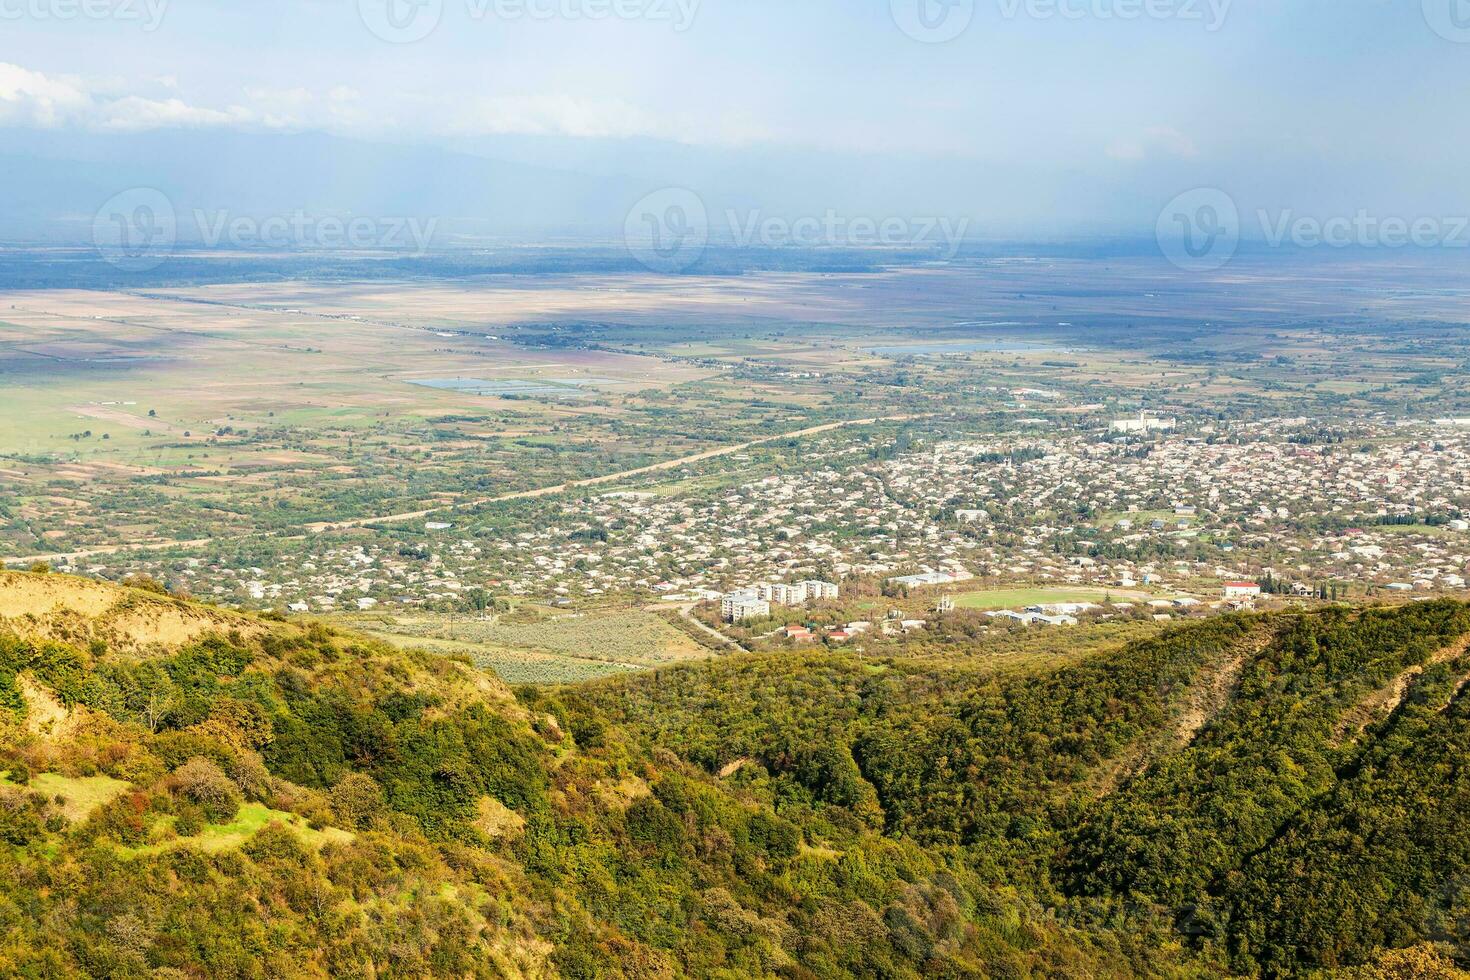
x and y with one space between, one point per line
1045 117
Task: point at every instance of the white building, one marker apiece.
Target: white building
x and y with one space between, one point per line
1031 618
817 589
739 606
1242 590
794 594
1062 608
1142 424
929 578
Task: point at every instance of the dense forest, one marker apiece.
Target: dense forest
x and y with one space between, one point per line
1244 795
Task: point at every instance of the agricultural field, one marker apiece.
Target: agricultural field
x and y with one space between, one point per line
185 413
545 647
127 418
265 444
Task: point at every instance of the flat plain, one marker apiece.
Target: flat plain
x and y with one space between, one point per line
228 429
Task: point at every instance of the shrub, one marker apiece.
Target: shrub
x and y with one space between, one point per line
190 821
358 800
145 582
276 842
202 781
122 820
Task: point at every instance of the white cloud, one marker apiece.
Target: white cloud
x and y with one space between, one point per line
132 114
29 98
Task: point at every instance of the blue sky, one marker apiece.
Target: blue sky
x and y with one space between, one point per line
1082 116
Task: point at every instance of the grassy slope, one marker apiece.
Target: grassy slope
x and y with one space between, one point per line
248 822
797 814
75 798
403 814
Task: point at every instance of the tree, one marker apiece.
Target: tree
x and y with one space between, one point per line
358 800
202 781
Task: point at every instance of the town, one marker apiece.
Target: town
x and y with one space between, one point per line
1201 508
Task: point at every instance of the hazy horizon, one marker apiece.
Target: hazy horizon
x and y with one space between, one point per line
1012 120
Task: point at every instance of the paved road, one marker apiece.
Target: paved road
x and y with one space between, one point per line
686 612
668 464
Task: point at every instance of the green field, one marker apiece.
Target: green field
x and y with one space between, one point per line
1422 530
79 795
251 820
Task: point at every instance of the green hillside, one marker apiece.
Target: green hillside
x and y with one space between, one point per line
1244 795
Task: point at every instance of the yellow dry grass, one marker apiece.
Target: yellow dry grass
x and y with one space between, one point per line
46 716
77 610
495 819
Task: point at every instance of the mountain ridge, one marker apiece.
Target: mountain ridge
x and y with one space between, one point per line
275 797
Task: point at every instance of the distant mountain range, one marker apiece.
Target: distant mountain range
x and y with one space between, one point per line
52 183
